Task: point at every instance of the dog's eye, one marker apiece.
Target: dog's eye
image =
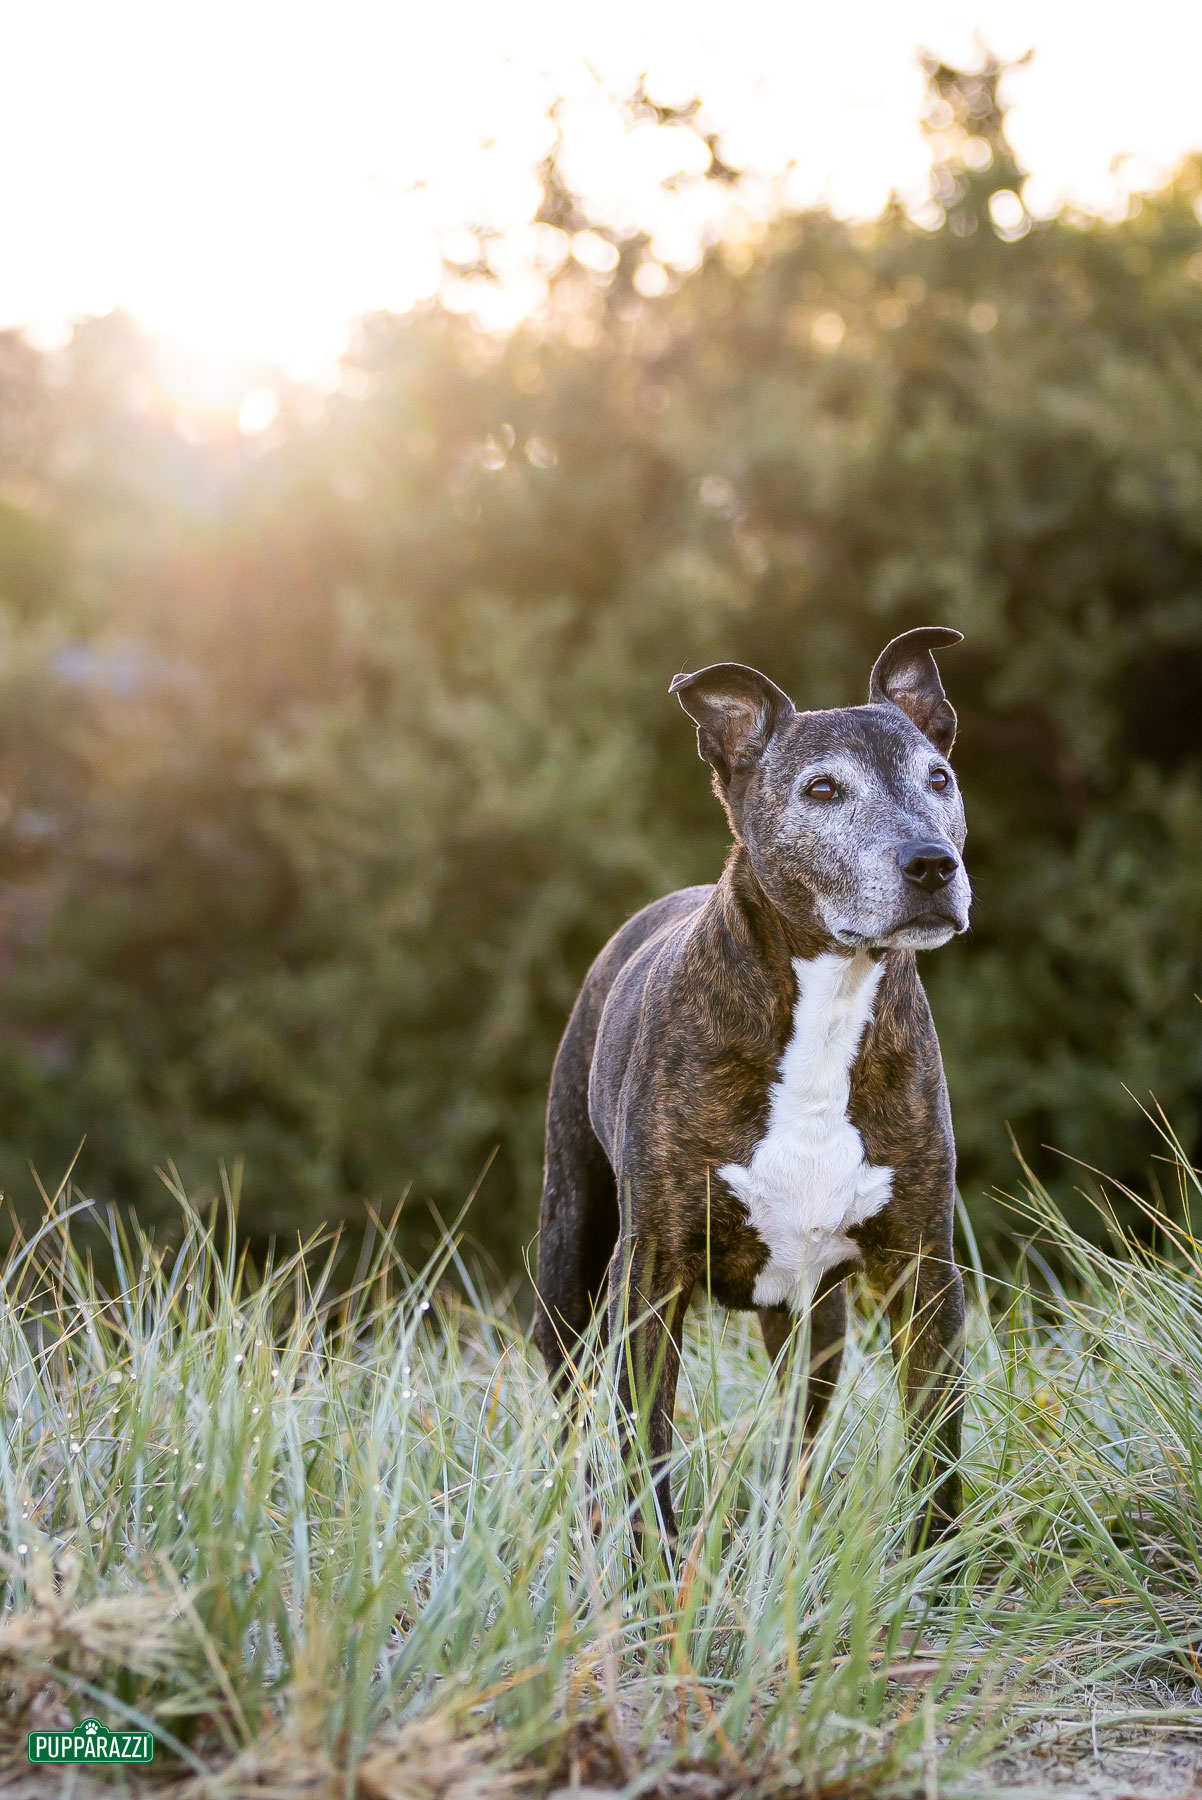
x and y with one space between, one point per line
821 788
940 779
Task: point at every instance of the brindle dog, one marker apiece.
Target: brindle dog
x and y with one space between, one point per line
749 1090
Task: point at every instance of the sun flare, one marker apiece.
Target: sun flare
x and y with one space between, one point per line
246 179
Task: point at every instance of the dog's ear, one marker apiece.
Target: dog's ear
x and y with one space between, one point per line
736 710
905 674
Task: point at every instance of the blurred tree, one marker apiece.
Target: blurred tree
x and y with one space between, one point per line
972 162
331 760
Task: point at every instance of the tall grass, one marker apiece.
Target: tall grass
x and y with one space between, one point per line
286 1526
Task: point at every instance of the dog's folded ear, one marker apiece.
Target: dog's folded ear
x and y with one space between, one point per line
736 710
905 674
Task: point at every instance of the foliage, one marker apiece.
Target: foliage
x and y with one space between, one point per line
332 756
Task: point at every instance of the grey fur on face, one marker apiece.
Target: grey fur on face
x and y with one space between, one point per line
829 803
845 850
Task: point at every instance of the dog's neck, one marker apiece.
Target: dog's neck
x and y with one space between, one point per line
742 953
753 917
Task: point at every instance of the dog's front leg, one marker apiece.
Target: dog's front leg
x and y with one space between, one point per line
646 1313
925 1297
827 1330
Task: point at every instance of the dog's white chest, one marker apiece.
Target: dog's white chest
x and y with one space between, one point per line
807 1182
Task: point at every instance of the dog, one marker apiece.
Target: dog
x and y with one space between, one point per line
749 1091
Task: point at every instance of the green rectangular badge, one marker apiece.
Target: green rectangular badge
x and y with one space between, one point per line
91 1742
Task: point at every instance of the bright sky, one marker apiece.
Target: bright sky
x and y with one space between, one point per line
245 176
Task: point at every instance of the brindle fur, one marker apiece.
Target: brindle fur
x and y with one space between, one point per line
663 1077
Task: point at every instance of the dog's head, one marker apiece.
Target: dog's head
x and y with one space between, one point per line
854 812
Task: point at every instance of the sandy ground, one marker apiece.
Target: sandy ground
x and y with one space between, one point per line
1082 1759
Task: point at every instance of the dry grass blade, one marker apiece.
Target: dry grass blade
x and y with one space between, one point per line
139 1633
428 1761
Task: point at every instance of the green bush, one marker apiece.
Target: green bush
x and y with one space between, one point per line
331 761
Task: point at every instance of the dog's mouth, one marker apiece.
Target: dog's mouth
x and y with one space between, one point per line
933 918
925 930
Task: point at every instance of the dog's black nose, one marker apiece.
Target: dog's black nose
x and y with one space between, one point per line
928 866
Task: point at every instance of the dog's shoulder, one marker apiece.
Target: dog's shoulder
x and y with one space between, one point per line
651 922
629 987
656 933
